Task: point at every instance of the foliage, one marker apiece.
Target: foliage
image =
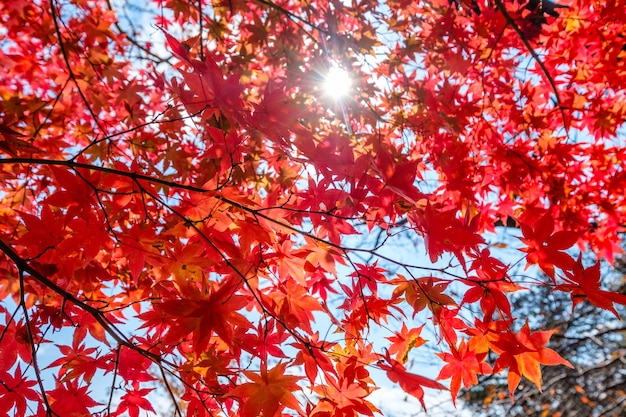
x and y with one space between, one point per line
180 195
592 339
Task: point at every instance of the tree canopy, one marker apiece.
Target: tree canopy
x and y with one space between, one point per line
186 194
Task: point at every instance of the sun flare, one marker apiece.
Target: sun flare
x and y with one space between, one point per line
337 82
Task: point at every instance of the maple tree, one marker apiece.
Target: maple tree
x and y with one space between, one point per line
182 196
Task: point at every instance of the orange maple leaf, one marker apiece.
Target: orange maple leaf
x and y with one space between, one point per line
463 366
423 292
267 394
523 353
403 341
343 397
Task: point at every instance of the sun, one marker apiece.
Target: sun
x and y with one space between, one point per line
337 83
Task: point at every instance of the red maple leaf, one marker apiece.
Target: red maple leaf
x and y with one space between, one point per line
545 247
176 47
11 142
444 232
398 177
411 383
69 399
15 391
15 344
134 400
584 284
78 361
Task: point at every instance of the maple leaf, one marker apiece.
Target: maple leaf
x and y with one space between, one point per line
342 397
490 286
368 276
449 322
212 364
463 366
295 306
11 143
15 390
132 366
202 315
68 399
444 232
410 383
491 296
135 400
176 47
398 177
200 404
321 284
405 340
584 283
523 353
546 248
76 191
44 231
87 324
15 344
423 292
268 393
78 360
312 355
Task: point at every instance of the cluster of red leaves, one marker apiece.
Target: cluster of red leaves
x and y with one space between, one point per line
199 224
